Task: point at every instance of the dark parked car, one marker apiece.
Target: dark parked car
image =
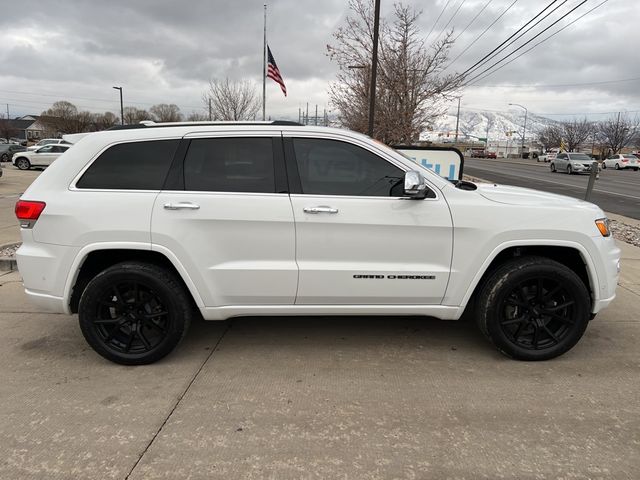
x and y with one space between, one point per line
8 149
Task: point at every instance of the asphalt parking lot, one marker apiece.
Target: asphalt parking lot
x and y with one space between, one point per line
278 398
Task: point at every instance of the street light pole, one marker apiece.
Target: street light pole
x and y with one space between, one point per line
374 67
121 106
524 128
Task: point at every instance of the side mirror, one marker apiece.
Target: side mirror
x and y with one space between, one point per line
414 185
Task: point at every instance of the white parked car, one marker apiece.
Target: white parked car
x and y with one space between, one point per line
139 230
47 141
621 161
42 157
570 162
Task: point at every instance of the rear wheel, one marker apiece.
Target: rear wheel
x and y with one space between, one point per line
134 313
23 164
533 308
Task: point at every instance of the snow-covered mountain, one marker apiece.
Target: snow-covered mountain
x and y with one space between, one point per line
473 125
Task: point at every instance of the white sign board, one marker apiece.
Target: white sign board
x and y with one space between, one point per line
447 162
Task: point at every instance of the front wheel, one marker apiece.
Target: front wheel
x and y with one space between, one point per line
533 308
4 158
569 169
553 167
604 166
617 166
23 163
134 313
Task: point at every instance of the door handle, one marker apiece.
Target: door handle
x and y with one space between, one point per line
320 209
181 206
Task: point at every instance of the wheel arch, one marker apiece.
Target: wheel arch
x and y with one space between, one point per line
92 260
572 255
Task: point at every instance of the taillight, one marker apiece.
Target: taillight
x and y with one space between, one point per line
27 211
625 160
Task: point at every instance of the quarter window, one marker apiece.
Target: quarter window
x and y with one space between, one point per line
131 166
330 167
230 165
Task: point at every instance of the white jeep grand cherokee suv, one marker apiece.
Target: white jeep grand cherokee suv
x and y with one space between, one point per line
140 229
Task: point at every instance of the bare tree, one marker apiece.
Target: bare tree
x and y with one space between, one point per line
134 115
576 132
105 120
618 131
411 87
164 112
6 129
61 117
197 117
231 100
85 122
550 136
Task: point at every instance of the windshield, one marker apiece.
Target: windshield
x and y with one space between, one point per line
631 157
579 156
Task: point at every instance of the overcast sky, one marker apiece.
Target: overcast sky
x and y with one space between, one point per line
166 51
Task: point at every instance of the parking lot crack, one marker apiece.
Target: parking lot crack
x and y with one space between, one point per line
177 403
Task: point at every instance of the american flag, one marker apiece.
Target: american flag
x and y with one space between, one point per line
274 73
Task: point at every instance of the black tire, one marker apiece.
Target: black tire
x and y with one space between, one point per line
4 158
525 324
553 167
134 313
617 167
635 169
604 166
23 163
569 169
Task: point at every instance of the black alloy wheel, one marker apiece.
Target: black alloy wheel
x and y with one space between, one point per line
134 313
533 308
538 313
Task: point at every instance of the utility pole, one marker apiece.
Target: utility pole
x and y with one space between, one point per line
374 67
307 115
486 141
524 128
316 114
458 119
264 66
121 106
210 112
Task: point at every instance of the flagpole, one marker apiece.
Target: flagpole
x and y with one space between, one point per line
264 66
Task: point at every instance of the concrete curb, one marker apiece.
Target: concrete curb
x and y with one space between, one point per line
8 264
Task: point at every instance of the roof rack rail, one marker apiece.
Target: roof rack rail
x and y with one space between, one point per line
151 123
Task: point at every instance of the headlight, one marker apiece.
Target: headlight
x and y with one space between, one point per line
603 226
576 164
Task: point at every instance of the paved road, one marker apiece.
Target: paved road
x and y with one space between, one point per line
320 398
615 191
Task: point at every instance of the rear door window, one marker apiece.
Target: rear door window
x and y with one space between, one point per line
242 164
131 166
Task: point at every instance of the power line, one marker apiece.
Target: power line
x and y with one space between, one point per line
472 20
437 20
559 85
540 42
526 43
450 20
504 45
480 36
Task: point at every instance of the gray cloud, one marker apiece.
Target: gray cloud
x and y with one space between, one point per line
165 51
